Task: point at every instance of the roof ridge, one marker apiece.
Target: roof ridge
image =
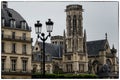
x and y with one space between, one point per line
48 43
97 40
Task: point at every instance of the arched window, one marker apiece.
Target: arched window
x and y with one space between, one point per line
79 26
34 68
95 66
69 25
74 24
108 62
69 43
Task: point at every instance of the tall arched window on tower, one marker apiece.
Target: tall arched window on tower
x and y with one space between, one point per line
74 25
12 23
69 25
79 26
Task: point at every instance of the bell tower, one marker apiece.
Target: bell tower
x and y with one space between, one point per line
74 57
74 28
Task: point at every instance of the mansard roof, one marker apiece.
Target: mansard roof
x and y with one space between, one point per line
8 14
93 47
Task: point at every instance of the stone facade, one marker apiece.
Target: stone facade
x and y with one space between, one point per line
37 64
53 57
58 40
103 56
75 59
16 45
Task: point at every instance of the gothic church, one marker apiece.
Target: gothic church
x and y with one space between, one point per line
71 52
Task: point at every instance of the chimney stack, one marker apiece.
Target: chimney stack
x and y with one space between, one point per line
4 4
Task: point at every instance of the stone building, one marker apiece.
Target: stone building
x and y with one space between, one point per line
99 55
16 44
78 55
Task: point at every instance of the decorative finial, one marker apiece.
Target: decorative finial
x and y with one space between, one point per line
113 50
85 33
64 33
4 4
106 35
113 47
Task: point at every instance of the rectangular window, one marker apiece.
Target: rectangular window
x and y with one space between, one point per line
48 58
69 57
23 24
2 34
69 67
81 57
13 65
41 58
13 35
69 43
3 64
24 65
24 36
13 48
3 22
81 67
2 46
12 23
24 49
45 58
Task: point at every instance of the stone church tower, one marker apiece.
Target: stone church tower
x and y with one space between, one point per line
75 59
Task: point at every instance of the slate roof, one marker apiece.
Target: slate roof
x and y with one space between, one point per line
56 37
8 13
54 51
93 47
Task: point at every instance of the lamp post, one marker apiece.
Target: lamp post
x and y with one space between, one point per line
38 29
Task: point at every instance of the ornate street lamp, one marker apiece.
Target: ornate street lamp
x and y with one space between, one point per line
38 29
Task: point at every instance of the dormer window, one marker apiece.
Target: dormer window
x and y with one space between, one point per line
3 22
23 24
12 23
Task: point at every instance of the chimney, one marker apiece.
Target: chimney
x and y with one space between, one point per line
4 4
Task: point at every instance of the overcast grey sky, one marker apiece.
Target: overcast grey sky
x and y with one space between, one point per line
98 18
